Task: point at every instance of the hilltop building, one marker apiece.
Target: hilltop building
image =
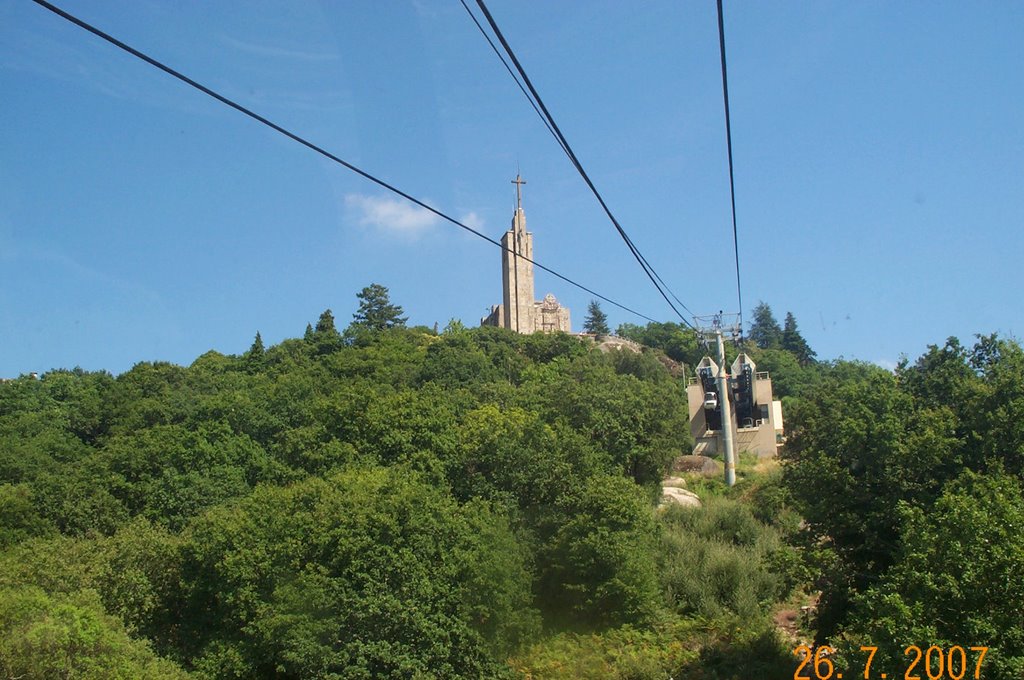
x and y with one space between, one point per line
519 311
757 415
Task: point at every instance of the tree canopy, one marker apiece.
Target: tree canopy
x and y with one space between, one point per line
376 311
404 505
958 575
390 502
890 470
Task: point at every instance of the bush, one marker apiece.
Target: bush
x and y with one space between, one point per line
43 636
741 652
597 568
723 519
719 560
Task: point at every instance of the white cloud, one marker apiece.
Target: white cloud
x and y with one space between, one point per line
393 216
471 219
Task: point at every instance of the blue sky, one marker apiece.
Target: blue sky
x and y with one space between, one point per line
879 159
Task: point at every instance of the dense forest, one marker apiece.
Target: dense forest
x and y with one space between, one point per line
395 502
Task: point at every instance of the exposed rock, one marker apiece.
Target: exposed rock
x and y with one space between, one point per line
677 482
702 464
673 494
675 368
609 342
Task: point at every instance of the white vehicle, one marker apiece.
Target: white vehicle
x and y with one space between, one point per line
710 401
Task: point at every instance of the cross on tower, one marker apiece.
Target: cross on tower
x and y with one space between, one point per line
519 182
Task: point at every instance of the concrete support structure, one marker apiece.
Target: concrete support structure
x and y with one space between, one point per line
724 401
756 426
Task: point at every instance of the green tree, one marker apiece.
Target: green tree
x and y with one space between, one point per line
865 441
511 455
19 518
647 366
598 566
70 636
254 357
375 309
764 329
789 378
942 375
596 321
325 324
369 573
169 473
135 572
639 424
677 341
995 414
794 342
732 551
256 349
455 360
78 497
856 449
80 397
453 327
959 579
325 338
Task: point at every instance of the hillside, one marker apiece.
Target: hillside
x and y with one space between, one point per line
393 502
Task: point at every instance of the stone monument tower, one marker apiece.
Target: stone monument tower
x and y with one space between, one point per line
519 311
517 270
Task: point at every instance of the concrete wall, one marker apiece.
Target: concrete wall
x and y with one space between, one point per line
761 439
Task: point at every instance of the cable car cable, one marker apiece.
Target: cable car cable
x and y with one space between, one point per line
310 145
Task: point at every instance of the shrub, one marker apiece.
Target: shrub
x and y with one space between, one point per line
43 636
718 560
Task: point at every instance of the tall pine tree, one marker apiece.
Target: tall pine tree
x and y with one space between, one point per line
325 324
596 321
254 357
375 309
325 337
764 330
795 343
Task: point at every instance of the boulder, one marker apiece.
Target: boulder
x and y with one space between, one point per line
683 497
701 464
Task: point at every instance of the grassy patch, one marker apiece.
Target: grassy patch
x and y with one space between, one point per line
616 654
681 648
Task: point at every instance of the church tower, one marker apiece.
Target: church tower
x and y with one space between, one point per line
519 311
517 272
